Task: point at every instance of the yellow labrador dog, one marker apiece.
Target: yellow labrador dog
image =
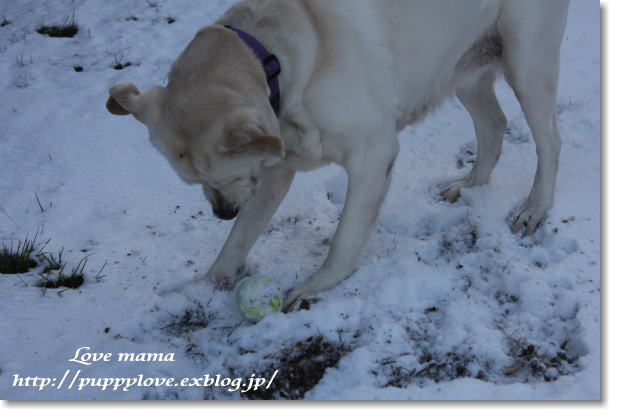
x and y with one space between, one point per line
279 86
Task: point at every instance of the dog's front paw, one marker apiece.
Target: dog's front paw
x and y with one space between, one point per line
223 283
223 280
293 300
526 220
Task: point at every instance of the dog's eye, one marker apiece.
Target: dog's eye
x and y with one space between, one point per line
181 155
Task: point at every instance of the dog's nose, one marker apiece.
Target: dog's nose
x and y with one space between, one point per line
225 213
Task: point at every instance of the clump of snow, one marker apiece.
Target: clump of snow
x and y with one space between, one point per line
446 303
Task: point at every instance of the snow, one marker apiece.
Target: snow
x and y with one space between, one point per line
446 303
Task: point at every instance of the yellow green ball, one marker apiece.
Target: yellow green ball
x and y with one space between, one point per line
258 296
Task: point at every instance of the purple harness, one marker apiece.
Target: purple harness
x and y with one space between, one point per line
270 63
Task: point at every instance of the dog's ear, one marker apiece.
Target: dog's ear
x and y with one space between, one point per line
252 141
115 108
126 99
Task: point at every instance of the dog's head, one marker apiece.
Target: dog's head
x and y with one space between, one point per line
213 121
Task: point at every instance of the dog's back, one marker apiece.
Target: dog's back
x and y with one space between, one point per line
419 50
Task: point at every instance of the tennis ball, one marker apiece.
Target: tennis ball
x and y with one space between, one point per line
258 296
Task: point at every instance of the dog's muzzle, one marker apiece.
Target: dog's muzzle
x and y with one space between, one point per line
223 209
225 212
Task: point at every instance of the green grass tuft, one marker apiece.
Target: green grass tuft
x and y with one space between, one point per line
73 280
18 260
52 262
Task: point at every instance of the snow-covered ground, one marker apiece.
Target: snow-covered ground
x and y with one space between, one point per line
446 304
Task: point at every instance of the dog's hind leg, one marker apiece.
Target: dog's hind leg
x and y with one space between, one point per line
490 124
532 37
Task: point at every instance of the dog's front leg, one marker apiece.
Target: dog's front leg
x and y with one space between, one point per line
250 223
369 173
